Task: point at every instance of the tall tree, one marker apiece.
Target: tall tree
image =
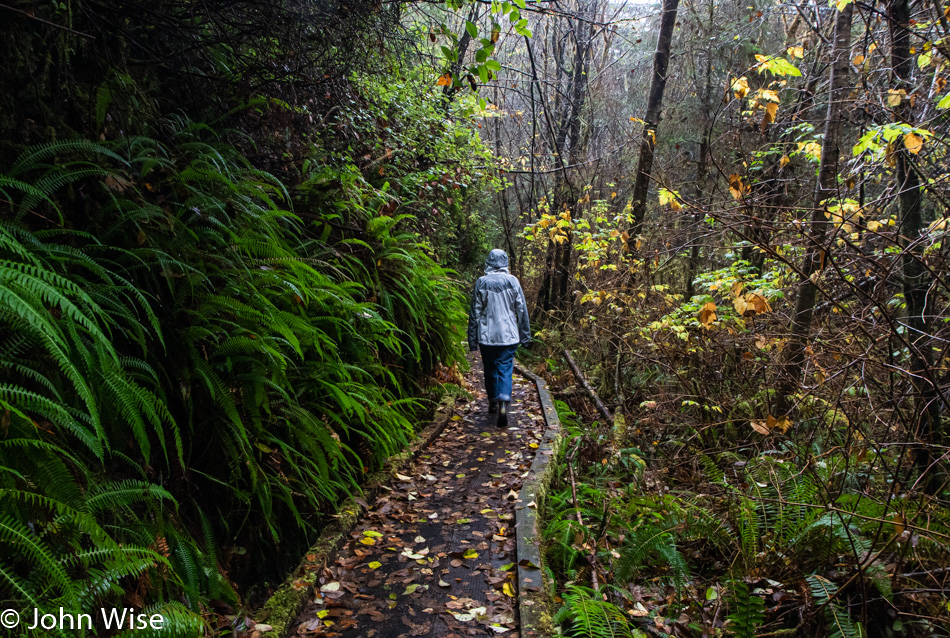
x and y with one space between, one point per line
916 280
568 142
816 251
651 120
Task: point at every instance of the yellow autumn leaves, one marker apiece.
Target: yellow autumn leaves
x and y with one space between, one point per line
765 99
558 226
782 424
746 305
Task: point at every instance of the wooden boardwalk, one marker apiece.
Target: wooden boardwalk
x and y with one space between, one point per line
435 554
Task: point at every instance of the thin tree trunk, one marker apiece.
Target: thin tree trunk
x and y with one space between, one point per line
915 278
571 126
702 165
566 144
651 120
826 188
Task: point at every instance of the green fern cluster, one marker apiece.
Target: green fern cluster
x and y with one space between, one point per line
837 620
586 614
188 364
747 611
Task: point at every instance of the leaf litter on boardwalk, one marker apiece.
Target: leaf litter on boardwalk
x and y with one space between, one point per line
443 543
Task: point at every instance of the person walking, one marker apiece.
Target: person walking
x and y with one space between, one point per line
497 324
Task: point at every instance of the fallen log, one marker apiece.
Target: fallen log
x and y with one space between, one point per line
587 387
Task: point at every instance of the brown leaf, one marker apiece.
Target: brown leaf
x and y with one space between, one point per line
771 110
707 314
736 188
759 427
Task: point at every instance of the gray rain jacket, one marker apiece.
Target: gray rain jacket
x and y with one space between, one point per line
499 314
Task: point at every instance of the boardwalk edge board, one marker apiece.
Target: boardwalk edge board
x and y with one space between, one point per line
289 599
535 593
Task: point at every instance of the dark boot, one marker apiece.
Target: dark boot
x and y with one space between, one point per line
492 406
503 413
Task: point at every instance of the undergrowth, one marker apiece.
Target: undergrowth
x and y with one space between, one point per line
784 541
198 360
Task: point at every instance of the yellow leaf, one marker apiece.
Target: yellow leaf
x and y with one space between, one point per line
508 589
810 148
366 540
940 224
740 305
796 52
740 87
470 553
913 142
899 524
533 446
781 424
857 60
894 97
375 565
445 80
784 161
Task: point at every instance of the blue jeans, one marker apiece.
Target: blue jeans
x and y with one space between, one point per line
498 362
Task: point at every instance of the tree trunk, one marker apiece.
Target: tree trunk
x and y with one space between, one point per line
567 144
916 281
826 188
702 165
652 118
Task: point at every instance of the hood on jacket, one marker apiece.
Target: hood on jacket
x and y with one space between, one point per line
497 260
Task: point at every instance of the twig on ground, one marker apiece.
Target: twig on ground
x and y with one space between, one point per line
587 387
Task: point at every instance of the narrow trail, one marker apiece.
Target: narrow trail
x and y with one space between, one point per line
435 554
